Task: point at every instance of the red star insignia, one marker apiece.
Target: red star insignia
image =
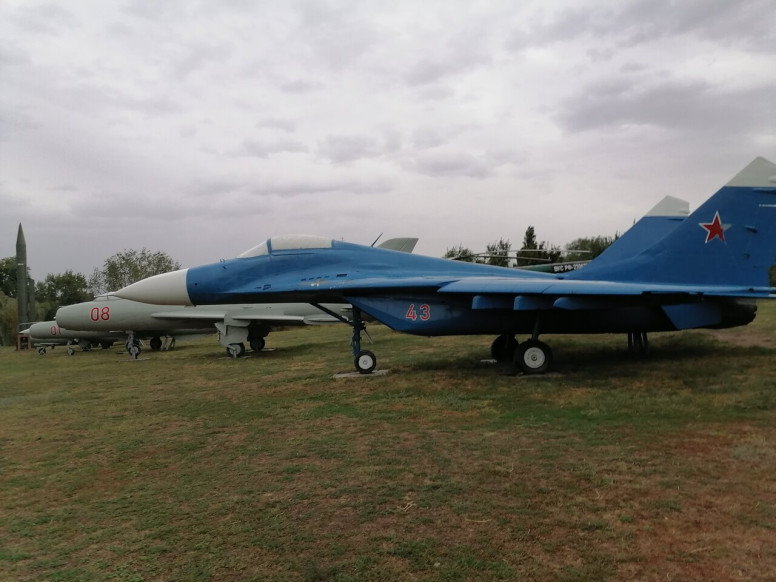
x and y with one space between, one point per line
714 229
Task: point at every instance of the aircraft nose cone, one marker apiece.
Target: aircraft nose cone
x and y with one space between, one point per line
165 289
41 329
66 316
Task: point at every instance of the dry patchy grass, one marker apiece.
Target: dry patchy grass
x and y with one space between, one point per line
191 466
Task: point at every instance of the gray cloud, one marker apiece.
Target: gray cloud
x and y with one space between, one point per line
348 148
47 18
280 124
674 106
299 86
443 162
265 148
747 23
198 55
322 186
201 128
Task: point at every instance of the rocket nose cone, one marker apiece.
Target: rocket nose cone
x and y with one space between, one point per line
165 289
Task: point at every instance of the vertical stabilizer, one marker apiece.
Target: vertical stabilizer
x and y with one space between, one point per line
729 240
661 220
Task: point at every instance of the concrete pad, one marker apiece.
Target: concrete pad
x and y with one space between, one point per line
360 375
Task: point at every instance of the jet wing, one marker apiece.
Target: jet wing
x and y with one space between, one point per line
568 287
531 284
234 316
193 315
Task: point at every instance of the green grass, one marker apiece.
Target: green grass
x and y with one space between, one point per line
187 465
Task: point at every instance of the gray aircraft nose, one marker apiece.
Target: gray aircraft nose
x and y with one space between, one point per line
67 316
165 289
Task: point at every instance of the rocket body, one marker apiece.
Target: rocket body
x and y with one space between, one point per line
22 297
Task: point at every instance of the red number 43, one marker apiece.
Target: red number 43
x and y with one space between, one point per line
423 312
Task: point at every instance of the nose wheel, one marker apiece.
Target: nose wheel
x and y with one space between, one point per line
236 350
133 346
365 362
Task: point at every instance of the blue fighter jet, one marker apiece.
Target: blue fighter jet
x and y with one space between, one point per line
706 272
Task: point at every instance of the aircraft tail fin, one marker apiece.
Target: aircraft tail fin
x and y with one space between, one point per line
402 244
729 240
661 220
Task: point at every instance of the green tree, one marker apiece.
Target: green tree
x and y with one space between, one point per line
533 252
127 267
57 290
9 319
498 253
588 248
8 280
8 276
461 253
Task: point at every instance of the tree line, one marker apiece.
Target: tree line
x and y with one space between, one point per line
57 290
533 252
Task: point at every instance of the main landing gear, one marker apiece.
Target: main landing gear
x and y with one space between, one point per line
638 342
531 356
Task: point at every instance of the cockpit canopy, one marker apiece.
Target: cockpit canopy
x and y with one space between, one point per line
288 242
106 297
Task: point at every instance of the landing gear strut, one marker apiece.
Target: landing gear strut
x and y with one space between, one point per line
533 356
638 343
133 346
364 360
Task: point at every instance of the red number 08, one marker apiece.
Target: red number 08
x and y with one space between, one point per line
423 312
98 314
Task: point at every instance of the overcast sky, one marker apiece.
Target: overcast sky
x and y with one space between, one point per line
201 128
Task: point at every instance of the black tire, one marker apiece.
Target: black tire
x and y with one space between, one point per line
503 347
155 343
258 343
533 357
365 361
